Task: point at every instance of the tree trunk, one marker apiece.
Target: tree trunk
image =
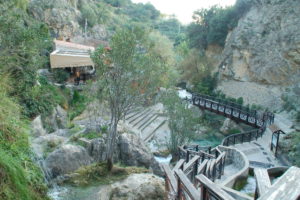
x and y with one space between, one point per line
111 143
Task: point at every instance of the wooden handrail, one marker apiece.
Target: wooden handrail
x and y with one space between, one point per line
208 189
184 185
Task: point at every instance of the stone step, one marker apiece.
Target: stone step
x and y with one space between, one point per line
151 128
133 113
145 119
151 135
140 118
145 125
132 119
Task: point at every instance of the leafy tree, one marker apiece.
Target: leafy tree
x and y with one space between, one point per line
182 121
142 12
129 72
169 27
212 25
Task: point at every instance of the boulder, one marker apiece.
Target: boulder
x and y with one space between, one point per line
37 127
67 159
97 149
46 143
135 187
57 120
133 152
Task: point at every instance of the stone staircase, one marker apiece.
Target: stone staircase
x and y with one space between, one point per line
146 122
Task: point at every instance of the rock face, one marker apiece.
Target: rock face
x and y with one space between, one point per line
67 159
60 15
263 51
37 127
135 187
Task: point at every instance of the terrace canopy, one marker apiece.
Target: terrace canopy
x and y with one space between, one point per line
67 54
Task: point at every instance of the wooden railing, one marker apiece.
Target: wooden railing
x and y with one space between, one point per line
210 163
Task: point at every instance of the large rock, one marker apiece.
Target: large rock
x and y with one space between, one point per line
135 187
133 151
67 159
97 149
37 127
44 144
57 120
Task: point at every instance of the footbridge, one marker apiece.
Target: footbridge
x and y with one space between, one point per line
205 173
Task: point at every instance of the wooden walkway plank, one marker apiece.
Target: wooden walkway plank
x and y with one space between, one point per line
263 182
190 163
170 175
178 164
201 169
287 187
214 188
188 186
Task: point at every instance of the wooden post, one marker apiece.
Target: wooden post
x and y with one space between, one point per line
197 148
187 156
209 150
179 192
195 169
203 192
242 138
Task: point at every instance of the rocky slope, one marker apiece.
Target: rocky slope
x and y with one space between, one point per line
261 58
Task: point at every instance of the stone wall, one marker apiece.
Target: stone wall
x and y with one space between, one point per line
239 160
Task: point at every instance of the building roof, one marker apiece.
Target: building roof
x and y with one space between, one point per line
67 54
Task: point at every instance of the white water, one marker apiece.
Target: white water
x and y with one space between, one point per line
183 94
165 160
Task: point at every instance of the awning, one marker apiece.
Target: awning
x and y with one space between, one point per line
69 54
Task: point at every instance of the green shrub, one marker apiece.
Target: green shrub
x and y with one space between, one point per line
60 75
77 104
89 14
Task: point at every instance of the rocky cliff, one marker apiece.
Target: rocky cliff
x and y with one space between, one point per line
261 58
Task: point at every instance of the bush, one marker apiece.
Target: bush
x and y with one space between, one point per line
60 75
89 14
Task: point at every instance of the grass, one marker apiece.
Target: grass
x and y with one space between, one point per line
240 184
99 173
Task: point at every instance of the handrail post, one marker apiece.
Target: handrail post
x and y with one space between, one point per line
187 156
209 150
179 192
195 169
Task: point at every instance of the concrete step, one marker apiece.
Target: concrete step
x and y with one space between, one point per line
133 113
140 118
148 132
148 121
138 115
144 119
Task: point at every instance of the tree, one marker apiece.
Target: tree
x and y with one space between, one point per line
129 72
182 121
